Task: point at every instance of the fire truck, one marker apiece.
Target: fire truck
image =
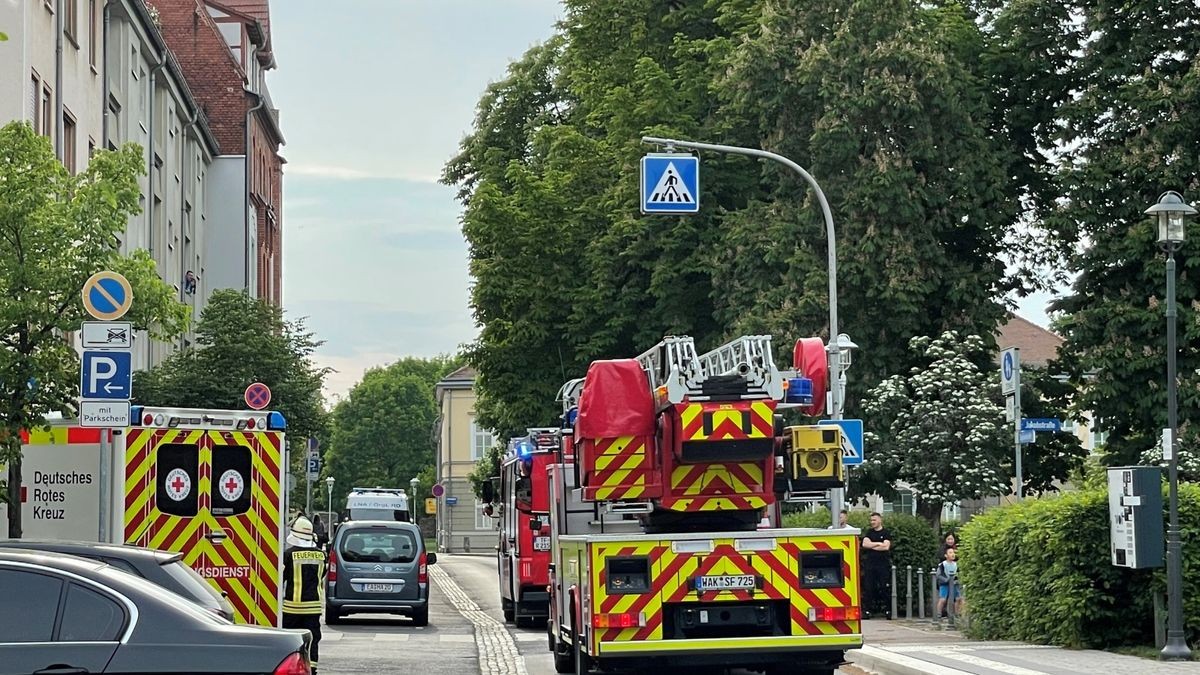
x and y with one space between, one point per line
204 483
523 552
665 529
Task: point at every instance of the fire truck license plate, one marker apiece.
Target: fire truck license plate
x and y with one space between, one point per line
378 588
743 582
541 543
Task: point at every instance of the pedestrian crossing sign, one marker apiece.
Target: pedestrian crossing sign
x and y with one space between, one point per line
670 183
852 440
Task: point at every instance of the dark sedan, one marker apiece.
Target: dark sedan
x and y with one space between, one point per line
62 614
164 568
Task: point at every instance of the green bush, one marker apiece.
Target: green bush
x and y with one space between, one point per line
1040 571
913 541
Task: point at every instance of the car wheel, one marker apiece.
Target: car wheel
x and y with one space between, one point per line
509 613
420 617
564 657
583 662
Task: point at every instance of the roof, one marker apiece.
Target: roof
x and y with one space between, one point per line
460 380
1038 346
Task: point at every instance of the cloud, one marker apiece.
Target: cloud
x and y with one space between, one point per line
348 173
348 370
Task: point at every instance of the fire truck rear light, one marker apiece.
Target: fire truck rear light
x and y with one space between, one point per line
294 664
147 420
250 423
834 613
159 420
622 620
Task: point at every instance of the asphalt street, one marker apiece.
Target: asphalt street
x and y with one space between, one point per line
466 632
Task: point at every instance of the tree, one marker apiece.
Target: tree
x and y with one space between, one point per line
1133 124
486 469
888 103
241 340
937 429
383 433
56 230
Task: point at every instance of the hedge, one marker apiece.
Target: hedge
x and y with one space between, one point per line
1040 571
914 541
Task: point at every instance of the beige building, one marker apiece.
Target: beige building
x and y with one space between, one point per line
461 523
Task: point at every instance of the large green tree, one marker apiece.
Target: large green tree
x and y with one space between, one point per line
384 432
56 230
1129 128
241 340
888 103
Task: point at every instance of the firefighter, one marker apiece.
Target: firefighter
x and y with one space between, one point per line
304 569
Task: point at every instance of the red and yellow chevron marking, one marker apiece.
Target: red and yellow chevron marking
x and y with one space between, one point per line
734 421
250 553
673 575
60 436
620 468
716 486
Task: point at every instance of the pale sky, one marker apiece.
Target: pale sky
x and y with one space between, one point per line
374 97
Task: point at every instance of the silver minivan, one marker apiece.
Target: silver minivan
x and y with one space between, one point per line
378 567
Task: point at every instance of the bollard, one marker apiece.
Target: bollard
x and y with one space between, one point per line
1160 626
951 596
921 593
933 597
908 592
466 544
892 615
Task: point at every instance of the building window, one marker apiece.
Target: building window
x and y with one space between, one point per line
93 33
69 141
91 148
482 521
71 21
33 112
47 114
481 440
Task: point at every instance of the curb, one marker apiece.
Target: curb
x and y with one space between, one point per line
884 662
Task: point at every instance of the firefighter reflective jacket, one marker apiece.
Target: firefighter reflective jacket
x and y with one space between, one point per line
303 580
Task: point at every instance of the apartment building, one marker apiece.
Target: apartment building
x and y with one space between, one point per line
51 72
93 74
150 103
224 49
461 443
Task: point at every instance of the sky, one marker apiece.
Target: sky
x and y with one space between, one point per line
374 98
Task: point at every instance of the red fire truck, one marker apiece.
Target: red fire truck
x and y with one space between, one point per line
523 553
665 534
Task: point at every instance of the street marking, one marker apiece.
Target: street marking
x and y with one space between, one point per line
956 655
498 653
530 637
391 637
456 638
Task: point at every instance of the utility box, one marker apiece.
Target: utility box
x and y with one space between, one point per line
1135 516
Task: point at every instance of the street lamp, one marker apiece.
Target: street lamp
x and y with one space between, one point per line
329 502
1171 211
412 501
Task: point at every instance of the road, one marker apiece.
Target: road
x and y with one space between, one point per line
466 632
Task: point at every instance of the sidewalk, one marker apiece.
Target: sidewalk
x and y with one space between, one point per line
918 648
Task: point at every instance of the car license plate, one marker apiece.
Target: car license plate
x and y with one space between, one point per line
377 588
742 582
541 543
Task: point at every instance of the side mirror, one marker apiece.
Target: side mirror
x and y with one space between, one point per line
488 492
431 558
535 525
487 510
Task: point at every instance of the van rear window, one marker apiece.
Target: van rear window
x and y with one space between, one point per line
395 515
379 545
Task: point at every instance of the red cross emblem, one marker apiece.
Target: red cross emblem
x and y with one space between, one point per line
179 484
232 485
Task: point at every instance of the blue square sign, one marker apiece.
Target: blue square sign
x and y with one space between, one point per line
670 183
106 375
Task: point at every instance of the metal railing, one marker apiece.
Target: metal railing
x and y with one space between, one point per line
910 595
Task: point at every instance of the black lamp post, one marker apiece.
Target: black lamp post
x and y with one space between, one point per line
1171 212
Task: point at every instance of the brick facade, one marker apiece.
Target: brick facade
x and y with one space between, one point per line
220 75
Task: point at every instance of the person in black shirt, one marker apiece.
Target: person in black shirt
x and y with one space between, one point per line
876 568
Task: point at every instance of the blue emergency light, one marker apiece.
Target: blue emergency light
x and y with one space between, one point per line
524 448
799 390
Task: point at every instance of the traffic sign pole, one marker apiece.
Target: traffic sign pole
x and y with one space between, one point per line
1010 385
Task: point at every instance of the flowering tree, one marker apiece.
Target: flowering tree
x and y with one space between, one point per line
937 429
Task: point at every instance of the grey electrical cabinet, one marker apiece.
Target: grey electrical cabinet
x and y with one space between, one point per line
1135 516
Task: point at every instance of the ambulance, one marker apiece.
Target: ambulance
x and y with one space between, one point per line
377 503
208 484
